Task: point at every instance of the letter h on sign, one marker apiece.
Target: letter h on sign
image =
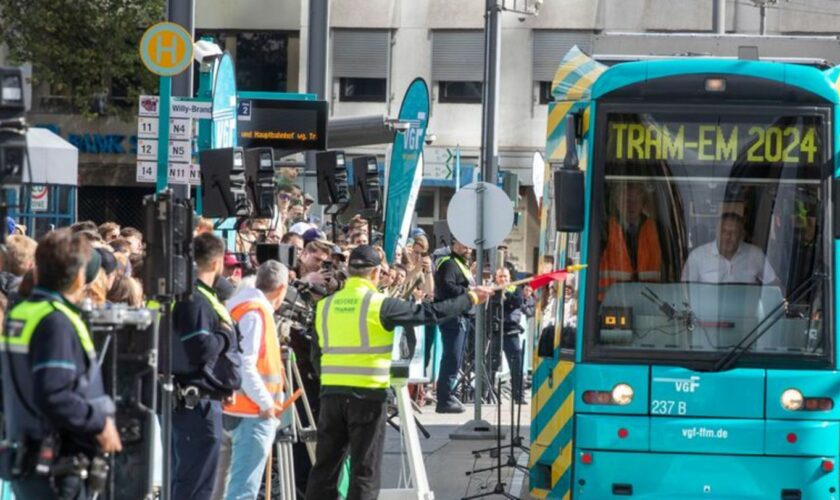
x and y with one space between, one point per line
170 48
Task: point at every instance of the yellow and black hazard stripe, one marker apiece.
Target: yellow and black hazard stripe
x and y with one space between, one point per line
552 406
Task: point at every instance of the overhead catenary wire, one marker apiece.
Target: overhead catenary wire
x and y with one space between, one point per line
804 8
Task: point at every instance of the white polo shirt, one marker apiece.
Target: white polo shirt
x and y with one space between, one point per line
706 265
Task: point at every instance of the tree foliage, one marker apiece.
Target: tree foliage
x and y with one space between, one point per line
84 49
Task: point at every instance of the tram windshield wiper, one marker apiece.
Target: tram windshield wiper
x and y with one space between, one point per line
670 311
778 312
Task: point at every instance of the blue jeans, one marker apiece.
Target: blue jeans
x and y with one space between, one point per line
512 346
452 334
251 440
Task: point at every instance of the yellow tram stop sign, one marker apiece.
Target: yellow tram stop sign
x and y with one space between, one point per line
166 49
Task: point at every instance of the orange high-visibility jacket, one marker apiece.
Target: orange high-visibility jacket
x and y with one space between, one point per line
615 260
269 362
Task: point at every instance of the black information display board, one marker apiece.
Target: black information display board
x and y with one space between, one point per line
282 124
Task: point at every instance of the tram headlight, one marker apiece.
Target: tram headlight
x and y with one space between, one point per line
792 400
622 394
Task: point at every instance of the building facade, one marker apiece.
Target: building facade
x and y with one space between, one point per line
377 47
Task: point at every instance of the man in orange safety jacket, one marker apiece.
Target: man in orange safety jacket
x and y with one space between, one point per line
251 420
632 251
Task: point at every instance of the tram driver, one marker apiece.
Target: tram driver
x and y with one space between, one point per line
729 259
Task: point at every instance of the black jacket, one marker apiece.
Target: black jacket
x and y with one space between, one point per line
57 379
450 281
199 339
512 313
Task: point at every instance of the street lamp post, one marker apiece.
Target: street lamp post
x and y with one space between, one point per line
478 428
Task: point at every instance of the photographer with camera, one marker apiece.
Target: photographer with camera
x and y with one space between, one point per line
56 409
355 337
315 267
205 360
314 277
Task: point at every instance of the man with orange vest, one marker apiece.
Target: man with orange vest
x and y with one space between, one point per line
251 419
632 251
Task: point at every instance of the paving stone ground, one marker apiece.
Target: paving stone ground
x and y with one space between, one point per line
447 461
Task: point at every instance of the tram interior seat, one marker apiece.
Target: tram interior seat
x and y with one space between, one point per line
707 316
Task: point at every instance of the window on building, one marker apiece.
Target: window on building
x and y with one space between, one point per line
262 61
363 89
425 206
261 58
545 92
360 63
465 92
458 65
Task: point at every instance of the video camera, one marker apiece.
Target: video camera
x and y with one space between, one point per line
349 187
13 129
299 305
118 315
126 342
284 254
237 182
12 125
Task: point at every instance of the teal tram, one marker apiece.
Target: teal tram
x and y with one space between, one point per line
696 355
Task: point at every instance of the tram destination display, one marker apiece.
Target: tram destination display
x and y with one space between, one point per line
790 141
287 125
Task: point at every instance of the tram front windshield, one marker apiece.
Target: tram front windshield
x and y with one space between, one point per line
711 230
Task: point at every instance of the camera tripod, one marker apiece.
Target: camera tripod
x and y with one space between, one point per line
515 438
465 383
293 432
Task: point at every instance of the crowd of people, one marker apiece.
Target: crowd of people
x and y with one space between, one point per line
113 275
227 409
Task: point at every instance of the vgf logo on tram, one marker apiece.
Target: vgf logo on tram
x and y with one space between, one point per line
690 384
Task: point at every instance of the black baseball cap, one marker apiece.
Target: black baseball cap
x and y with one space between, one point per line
364 256
92 267
109 262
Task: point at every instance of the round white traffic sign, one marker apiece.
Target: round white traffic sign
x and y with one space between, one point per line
462 215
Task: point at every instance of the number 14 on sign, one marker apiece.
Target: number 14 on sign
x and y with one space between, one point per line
179 173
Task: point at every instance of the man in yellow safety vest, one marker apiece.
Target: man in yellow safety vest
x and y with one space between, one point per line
355 337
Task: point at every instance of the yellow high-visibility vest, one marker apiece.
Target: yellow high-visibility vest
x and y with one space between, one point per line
355 347
464 269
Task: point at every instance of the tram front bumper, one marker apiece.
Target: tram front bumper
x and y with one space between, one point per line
609 474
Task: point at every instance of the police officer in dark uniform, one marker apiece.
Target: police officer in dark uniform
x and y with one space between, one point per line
452 279
57 411
205 349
